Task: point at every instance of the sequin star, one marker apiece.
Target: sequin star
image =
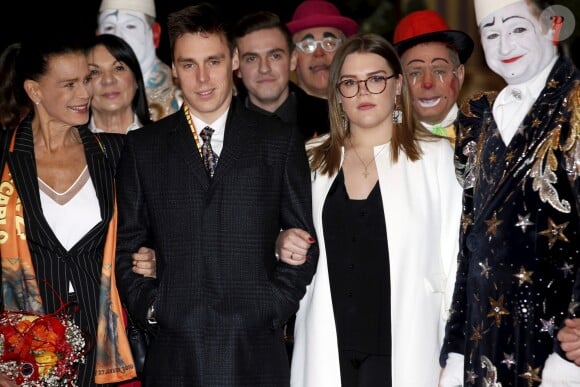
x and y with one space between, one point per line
524 222
567 269
471 376
485 269
536 122
492 224
554 232
492 158
508 360
497 310
531 375
509 157
476 333
548 326
524 276
552 83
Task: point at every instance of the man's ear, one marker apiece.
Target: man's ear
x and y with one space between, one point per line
293 60
235 59
460 74
156 29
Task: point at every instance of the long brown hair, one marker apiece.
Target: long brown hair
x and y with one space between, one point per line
326 157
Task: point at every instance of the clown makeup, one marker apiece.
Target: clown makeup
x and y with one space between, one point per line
135 29
312 69
514 45
434 76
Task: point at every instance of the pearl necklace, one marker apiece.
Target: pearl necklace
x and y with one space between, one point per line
366 172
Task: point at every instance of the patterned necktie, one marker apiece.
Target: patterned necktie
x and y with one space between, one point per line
210 158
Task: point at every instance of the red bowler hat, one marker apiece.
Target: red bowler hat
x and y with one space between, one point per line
320 13
428 26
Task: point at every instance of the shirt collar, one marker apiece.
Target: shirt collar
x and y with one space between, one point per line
136 124
218 126
448 120
529 90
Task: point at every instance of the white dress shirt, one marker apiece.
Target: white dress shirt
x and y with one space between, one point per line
514 102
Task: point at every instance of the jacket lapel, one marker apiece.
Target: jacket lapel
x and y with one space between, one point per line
182 143
523 148
23 169
102 177
236 140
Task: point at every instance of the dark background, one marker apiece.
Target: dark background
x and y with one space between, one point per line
21 19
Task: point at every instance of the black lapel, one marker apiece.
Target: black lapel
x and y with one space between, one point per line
23 168
102 175
181 142
238 134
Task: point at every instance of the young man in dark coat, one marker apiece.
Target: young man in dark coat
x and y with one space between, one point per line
209 188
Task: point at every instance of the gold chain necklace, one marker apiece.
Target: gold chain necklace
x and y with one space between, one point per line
366 172
192 126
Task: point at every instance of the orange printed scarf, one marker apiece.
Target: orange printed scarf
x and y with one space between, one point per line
20 287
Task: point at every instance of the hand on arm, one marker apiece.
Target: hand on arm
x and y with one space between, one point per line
144 262
292 246
569 336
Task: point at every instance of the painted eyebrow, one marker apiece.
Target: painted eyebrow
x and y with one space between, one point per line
413 61
489 24
513 17
421 61
439 59
329 35
503 20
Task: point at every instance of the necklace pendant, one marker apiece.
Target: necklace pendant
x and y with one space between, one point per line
366 173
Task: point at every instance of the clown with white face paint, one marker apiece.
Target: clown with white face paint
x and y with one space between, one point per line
515 46
134 21
517 158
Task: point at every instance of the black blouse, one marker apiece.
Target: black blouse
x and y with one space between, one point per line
358 264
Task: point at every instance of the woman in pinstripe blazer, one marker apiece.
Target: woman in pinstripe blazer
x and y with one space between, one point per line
64 176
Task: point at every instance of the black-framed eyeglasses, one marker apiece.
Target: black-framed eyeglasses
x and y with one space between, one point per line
328 44
375 84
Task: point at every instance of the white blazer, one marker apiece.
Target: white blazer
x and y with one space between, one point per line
422 203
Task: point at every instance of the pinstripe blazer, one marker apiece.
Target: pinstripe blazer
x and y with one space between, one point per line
82 264
222 297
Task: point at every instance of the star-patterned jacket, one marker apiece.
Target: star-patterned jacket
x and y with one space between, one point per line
519 238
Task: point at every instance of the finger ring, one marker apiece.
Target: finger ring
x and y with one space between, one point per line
277 255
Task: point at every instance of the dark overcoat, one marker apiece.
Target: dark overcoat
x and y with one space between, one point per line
221 298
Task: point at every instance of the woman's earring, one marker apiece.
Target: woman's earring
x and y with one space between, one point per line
344 122
397 113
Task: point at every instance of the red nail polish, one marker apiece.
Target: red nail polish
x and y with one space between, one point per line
311 240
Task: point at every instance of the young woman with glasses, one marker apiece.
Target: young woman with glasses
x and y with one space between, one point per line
386 208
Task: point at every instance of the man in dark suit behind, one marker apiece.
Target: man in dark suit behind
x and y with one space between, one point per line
221 297
267 58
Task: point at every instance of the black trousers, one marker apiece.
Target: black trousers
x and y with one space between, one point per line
359 369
